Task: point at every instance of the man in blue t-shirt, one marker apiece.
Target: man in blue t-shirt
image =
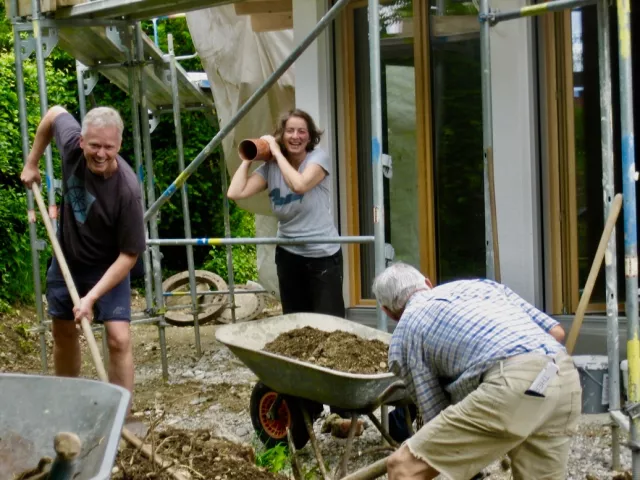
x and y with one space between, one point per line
101 232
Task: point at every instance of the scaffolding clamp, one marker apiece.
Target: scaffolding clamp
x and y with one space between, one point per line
387 165
89 78
389 254
632 410
488 17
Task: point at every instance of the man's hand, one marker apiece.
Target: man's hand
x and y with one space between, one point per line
30 174
85 309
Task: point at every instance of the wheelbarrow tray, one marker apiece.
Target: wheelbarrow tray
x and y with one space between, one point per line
36 408
289 376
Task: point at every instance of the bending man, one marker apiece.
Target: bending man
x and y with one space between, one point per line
101 233
488 374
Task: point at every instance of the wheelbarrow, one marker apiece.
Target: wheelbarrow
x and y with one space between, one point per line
36 409
291 393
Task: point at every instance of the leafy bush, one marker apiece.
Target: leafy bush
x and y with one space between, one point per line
244 256
204 186
15 249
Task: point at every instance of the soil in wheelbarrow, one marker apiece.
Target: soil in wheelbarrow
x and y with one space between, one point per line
337 350
196 453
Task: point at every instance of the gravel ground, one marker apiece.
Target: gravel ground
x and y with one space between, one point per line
213 392
590 457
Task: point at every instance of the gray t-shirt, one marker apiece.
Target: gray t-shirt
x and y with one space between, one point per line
101 216
302 216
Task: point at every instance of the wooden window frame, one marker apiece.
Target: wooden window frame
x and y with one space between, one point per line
424 145
561 155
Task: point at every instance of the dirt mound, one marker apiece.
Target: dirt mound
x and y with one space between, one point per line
196 452
20 347
337 350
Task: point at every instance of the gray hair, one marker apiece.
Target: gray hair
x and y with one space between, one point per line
101 117
393 287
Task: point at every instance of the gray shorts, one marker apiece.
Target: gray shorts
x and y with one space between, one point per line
113 305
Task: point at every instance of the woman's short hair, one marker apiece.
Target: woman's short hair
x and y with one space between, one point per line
100 117
315 134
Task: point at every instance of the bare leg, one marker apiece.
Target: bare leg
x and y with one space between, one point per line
66 348
120 354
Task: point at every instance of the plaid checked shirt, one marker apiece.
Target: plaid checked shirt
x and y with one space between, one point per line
449 336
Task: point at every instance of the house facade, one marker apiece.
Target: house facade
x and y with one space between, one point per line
546 122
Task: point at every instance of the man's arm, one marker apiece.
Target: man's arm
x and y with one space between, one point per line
112 277
423 387
548 324
44 135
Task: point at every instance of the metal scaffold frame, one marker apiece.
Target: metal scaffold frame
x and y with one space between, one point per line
42 37
627 417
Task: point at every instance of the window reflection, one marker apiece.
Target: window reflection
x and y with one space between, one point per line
457 133
398 134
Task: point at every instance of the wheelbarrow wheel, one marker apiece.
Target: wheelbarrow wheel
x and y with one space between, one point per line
273 431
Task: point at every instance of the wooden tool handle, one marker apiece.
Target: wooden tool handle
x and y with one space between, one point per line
375 470
68 279
616 206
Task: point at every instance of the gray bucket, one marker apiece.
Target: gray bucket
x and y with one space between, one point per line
594 378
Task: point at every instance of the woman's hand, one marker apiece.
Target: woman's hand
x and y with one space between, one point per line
273 145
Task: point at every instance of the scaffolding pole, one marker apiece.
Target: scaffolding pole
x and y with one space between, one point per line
156 263
44 107
376 148
629 178
608 186
227 225
33 234
82 99
165 242
257 95
539 9
227 234
175 95
135 73
487 128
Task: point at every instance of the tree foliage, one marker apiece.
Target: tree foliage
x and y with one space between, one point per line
204 186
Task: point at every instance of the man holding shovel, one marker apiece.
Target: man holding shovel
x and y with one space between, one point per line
101 233
488 374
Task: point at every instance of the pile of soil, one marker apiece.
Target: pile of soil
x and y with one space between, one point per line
198 453
337 350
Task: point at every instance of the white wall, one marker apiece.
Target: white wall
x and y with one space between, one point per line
315 93
515 153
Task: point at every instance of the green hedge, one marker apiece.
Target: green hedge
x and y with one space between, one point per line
204 186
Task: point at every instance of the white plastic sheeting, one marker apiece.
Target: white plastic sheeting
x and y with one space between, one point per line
237 61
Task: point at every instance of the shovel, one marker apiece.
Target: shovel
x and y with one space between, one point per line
88 333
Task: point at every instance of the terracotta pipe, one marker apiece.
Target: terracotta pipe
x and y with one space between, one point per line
254 149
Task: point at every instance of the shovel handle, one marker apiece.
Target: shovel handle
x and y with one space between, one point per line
68 279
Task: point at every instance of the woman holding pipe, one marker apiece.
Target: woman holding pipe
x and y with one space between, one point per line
297 177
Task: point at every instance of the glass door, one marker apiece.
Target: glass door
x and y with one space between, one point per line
399 137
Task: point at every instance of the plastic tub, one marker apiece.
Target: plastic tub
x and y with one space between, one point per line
594 378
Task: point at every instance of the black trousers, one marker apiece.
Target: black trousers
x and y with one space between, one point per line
310 284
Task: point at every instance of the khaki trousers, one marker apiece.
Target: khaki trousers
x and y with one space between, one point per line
498 418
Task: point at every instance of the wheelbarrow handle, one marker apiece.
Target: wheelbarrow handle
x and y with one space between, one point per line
389 391
66 273
67 446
